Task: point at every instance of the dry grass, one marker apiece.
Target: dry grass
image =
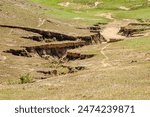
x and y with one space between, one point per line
126 77
123 80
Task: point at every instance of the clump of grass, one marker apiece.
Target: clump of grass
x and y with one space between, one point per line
27 78
12 82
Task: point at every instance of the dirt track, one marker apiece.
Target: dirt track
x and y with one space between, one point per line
104 61
111 30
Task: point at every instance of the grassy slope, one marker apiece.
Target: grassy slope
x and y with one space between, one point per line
56 11
111 6
138 44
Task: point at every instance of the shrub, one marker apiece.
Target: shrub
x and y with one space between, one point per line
26 79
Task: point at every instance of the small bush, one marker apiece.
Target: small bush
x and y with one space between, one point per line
26 79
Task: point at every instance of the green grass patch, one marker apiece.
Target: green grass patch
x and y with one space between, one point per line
85 15
47 2
27 78
137 44
133 14
139 9
105 4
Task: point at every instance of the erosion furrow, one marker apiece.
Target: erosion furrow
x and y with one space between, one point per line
89 39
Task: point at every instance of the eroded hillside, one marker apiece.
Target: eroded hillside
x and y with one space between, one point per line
47 57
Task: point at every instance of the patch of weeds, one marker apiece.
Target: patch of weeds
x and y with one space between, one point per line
12 82
27 78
